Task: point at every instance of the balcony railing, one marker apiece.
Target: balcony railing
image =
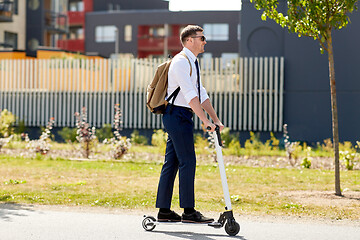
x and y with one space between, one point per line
148 43
6 11
56 22
76 18
72 45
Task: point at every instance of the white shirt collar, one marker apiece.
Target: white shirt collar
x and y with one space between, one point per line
189 54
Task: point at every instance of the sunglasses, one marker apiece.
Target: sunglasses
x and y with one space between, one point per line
202 38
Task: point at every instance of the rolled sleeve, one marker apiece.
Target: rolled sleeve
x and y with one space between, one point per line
203 94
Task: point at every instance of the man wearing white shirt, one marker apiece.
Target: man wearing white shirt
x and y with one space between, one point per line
178 123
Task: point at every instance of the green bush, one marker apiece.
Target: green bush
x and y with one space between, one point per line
138 139
68 134
159 139
226 137
7 119
104 133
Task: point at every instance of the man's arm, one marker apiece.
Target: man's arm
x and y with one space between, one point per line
196 107
207 106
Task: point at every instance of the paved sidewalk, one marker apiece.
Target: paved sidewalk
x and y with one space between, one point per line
19 222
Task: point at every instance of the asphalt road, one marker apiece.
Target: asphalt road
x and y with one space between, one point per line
19 222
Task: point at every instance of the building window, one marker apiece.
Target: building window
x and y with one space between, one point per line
157 31
76 6
239 32
76 33
128 33
105 33
16 7
216 31
10 40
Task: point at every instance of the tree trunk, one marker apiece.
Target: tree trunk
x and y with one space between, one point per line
335 126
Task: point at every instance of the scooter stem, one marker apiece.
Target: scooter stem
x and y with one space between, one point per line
220 161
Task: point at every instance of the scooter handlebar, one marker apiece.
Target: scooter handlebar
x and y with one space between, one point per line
217 130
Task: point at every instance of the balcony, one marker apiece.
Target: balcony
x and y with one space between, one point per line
6 11
72 45
56 22
148 43
76 18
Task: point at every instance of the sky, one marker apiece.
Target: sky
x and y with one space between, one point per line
197 5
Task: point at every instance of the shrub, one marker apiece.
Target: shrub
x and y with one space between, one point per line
68 134
159 139
7 119
226 137
104 133
138 139
348 158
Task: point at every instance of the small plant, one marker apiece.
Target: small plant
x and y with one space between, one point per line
306 162
290 147
41 145
7 119
348 158
85 135
120 145
4 141
138 139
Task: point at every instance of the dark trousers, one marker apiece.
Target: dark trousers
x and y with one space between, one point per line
179 156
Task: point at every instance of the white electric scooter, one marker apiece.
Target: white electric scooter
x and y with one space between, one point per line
226 218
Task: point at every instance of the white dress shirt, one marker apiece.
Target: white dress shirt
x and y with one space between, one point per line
179 75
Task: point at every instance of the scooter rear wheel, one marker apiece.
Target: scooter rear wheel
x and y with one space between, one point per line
149 223
232 228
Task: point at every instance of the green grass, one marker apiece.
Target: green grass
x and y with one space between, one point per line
133 185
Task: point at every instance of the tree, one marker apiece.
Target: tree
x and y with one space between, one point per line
316 19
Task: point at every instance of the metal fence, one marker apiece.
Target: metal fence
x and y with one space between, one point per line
247 93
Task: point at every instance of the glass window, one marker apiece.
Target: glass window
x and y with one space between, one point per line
10 40
128 33
16 7
216 31
105 33
157 31
76 6
239 32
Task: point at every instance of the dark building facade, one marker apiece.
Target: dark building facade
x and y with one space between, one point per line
307 106
141 32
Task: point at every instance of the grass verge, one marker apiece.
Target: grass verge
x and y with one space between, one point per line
133 184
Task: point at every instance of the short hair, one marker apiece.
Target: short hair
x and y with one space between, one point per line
189 30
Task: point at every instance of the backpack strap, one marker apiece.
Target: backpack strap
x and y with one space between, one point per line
177 90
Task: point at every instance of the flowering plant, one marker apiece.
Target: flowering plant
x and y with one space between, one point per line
85 135
41 145
120 145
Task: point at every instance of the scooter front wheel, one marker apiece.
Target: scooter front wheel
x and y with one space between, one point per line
149 223
232 228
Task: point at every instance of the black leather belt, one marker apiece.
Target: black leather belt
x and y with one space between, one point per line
186 108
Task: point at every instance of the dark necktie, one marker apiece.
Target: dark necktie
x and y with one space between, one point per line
198 77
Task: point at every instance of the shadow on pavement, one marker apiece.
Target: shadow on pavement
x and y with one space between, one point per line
7 210
198 236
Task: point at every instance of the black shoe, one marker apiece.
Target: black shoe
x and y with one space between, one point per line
169 217
195 217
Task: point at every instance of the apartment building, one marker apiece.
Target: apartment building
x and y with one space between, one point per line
12 25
